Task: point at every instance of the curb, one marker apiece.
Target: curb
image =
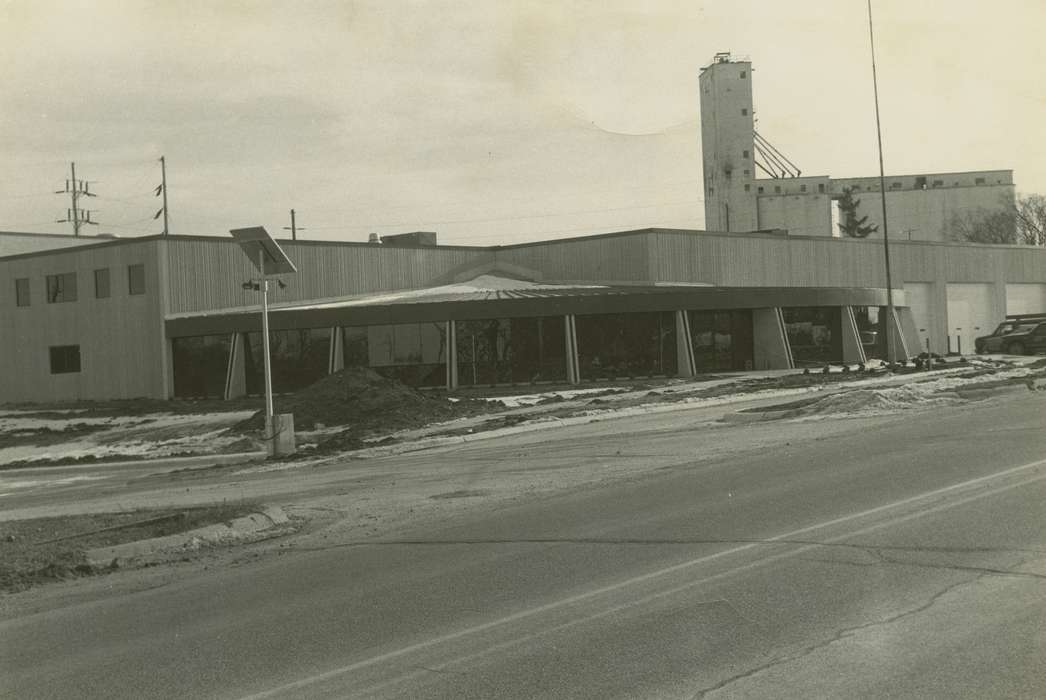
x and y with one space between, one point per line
238 529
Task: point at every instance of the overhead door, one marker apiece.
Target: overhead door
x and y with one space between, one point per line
1025 299
969 315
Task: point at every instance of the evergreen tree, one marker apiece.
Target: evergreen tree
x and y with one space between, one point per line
851 225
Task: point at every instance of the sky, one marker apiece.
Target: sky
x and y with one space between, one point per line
486 122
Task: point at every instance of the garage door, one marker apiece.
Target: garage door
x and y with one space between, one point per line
1025 299
917 296
969 315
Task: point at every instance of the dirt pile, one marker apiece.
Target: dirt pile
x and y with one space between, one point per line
365 402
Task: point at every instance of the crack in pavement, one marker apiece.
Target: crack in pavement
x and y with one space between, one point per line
875 549
883 560
838 636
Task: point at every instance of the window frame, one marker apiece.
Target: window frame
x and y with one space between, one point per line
65 359
64 288
131 289
25 299
108 284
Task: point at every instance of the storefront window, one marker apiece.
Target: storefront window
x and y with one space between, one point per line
814 334
199 365
413 353
722 340
299 358
511 350
872 330
626 345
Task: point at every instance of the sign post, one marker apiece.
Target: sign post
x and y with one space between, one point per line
267 256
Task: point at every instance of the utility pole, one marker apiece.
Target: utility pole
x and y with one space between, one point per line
293 228
76 189
163 187
890 315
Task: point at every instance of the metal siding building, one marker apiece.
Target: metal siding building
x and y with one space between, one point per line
344 293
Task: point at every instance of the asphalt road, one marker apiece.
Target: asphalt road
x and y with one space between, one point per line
907 560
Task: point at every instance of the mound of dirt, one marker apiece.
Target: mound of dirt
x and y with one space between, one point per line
363 401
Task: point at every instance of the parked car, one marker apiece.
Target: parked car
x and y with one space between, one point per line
1003 336
1031 343
1028 339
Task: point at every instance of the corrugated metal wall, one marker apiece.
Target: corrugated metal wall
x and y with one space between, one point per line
770 260
207 274
120 337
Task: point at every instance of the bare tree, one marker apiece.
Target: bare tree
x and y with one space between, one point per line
1030 213
1018 221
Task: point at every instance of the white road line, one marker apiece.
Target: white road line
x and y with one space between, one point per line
581 597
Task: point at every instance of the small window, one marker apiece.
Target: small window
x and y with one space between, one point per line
744 154
748 188
136 279
760 190
938 183
777 189
65 359
744 74
22 291
744 111
747 173
101 283
802 188
820 187
61 288
896 185
711 191
979 181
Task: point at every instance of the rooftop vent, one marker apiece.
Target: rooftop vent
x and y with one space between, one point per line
410 240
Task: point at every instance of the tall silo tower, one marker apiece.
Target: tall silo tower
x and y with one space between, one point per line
727 129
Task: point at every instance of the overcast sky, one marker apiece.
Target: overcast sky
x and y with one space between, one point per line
487 122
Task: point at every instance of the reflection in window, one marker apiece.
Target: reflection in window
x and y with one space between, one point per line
872 330
722 340
199 365
61 288
299 358
511 350
626 345
413 353
814 334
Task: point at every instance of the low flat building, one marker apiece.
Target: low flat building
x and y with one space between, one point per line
175 316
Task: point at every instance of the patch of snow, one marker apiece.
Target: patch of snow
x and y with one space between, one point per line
531 399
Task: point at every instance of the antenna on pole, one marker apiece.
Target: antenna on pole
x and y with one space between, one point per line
293 228
890 313
76 189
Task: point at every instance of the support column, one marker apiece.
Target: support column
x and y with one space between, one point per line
573 365
236 368
853 349
452 355
686 367
900 341
770 341
910 332
336 357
